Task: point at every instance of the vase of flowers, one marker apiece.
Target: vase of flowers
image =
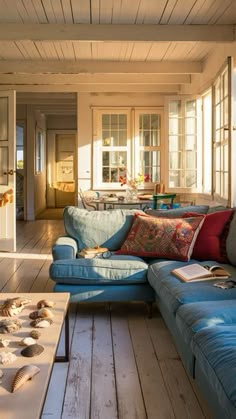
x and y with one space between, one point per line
132 184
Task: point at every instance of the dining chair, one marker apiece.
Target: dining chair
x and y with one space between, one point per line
85 201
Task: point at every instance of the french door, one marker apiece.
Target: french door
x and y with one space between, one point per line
7 171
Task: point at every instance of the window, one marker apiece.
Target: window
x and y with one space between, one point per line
19 147
39 151
183 145
207 142
221 133
117 149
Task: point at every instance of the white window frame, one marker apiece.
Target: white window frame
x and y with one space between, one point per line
39 151
183 100
207 142
219 193
132 148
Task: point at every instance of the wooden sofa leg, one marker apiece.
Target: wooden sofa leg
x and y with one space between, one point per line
149 309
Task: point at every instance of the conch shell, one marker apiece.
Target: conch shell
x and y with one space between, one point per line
13 306
23 375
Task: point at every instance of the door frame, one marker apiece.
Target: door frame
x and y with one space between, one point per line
50 156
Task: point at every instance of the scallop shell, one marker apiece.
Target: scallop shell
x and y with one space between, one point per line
23 375
45 303
35 334
13 306
27 342
7 357
9 325
41 323
32 350
4 343
45 313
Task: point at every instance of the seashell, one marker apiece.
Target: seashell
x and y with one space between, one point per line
13 306
35 334
23 375
9 325
4 343
45 313
45 303
41 323
32 350
7 357
34 315
27 342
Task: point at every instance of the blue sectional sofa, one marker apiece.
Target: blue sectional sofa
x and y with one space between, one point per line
200 317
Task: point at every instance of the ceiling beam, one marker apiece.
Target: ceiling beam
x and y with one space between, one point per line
94 79
105 67
111 32
102 88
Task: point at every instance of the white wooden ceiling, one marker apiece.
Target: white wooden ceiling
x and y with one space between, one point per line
109 45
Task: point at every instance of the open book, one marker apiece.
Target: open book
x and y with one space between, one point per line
91 252
197 272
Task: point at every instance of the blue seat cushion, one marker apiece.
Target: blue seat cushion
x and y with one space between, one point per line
175 292
191 318
215 352
117 269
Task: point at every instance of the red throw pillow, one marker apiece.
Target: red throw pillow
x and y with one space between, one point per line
169 238
211 239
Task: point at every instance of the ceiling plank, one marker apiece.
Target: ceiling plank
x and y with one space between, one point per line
102 79
92 67
108 32
87 88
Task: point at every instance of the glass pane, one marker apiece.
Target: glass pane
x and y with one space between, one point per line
114 138
190 142
105 158
3 119
191 179
123 121
217 90
114 122
217 184
191 160
3 165
105 174
146 142
174 108
174 143
217 117
106 139
174 179
225 184
155 122
105 121
226 112
225 83
19 147
174 126
226 160
217 159
175 160
190 108
123 138
150 164
218 135
190 126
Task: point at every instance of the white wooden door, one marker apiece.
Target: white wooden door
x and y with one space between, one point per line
7 171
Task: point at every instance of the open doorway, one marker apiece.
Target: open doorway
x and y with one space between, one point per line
20 169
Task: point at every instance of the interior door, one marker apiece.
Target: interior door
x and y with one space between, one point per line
7 171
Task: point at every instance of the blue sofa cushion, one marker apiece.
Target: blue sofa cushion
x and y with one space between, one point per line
175 292
215 352
115 270
190 318
178 212
104 228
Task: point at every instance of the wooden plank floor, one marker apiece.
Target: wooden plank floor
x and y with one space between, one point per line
123 365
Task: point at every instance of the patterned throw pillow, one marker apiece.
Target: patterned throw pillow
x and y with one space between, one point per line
162 237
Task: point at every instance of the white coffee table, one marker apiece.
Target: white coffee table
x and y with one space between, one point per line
27 402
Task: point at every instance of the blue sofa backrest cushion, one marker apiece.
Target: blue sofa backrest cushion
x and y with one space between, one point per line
104 228
178 212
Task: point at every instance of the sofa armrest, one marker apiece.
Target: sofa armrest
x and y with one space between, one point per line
64 248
